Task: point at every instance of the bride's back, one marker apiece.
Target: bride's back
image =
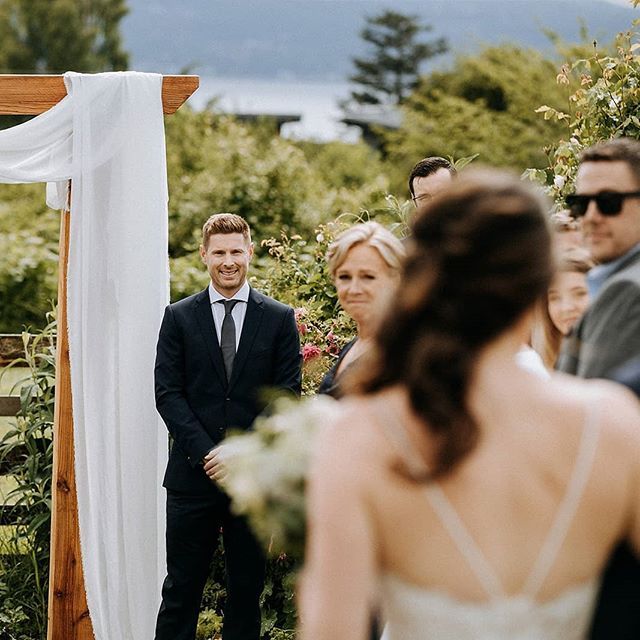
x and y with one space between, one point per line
511 543
557 453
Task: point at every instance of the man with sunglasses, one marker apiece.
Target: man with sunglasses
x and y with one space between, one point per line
607 339
607 201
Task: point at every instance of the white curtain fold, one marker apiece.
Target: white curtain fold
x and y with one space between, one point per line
107 135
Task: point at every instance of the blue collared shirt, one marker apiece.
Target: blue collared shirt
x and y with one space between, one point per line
600 273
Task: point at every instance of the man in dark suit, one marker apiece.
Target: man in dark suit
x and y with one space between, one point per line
606 340
218 350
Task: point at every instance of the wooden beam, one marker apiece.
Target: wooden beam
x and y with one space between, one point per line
34 94
68 614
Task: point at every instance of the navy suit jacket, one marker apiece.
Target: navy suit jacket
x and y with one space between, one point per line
193 396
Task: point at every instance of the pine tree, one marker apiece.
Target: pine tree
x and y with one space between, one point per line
392 71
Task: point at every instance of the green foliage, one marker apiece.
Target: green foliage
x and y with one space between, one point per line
26 453
277 602
218 164
392 70
29 247
604 106
39 36
485 104
347 168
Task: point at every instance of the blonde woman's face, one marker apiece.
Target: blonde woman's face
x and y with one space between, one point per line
568 299
364 283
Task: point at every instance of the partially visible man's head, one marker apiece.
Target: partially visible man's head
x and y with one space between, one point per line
608 198
226 250
429 177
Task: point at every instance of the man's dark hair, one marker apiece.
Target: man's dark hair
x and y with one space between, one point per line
617 150
426 167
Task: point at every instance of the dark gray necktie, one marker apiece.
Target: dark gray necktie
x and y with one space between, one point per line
228 336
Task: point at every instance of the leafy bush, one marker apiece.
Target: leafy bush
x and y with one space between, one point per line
26 452
604 106
485 104
29 249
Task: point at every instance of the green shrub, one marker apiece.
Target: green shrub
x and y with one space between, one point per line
604 106
27 453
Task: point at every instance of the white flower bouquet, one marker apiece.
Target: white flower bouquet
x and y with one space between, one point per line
266 471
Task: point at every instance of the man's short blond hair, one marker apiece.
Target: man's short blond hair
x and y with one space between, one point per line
225 223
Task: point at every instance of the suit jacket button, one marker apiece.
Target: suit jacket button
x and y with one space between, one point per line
228 399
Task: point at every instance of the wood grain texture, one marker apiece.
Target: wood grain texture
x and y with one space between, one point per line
68 612
34 94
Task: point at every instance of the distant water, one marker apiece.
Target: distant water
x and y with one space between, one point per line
316 102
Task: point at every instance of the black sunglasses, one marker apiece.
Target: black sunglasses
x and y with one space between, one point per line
609 203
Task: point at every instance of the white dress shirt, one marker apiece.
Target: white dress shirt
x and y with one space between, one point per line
238 313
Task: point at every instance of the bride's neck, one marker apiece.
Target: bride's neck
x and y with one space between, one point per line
496 370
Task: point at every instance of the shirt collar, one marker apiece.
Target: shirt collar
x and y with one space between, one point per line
242 294
600 273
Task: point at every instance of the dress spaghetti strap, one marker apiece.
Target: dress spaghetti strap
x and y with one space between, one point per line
570 502
460 535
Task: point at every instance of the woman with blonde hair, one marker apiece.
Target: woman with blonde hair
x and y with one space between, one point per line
364 263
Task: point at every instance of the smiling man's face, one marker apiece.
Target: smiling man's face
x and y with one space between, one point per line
227 256
609 237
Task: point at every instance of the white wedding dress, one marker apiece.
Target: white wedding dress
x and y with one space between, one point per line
412 612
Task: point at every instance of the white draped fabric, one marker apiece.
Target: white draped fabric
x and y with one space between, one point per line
107 135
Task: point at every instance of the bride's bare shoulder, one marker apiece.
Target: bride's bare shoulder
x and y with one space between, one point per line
618 409
353 434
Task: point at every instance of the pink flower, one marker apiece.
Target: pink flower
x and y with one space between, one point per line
332 345
302 329
299 313
310 351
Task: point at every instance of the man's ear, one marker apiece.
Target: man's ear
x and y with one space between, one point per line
250 251
202 253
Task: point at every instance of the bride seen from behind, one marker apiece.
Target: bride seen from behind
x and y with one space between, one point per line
469 497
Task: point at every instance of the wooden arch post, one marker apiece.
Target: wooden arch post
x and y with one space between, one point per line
68 615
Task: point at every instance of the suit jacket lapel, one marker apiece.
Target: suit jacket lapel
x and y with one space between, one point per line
208 329
252 320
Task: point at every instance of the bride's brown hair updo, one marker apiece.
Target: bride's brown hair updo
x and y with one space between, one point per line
480 256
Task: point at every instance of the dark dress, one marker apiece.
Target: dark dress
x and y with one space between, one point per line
330 384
